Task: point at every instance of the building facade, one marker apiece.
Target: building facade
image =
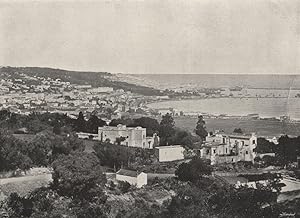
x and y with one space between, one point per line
127 136
132 177
225 148
169 153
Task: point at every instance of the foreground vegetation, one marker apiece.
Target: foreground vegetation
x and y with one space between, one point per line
80 188
78 191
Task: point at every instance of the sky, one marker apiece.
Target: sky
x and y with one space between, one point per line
153 36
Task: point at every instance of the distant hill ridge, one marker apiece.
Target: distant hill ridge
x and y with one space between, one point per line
96 79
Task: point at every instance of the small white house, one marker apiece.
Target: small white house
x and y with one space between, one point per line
85 135
169 153
132 177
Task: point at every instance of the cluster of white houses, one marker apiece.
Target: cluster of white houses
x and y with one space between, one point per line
128 136
136 137
225 148
218 148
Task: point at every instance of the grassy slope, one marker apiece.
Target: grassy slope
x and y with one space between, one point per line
261 127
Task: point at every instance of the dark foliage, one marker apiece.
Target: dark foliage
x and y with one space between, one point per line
73 177
238 130
200 128
194 170
166 129
264 146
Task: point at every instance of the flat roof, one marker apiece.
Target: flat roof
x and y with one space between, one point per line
240 136
130 173
169 146
124 128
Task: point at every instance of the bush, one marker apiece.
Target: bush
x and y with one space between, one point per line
194 170
124 186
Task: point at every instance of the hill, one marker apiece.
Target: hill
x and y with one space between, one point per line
96 79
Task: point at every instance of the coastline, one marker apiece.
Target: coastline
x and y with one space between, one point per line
248 116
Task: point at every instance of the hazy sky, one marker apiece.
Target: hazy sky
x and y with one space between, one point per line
207 36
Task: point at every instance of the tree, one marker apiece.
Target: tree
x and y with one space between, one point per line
79 176
35 125
116 156
166 129
80 123
120 139
264 146
244 202
111 155
46 146
189 201
67 145
201 129
124 186
238 130
182 137
151 125
288 149
57 128
194 170
93 123
13 153
19 206
122 121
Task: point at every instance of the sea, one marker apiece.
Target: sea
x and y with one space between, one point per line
220 80
279 94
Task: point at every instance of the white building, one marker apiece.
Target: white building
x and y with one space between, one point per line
101 90
224 148
127 136
86 135
169 153
83 86
132 177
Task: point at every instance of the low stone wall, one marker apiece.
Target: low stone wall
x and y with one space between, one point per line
226 159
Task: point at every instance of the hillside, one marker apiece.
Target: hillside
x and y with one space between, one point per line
96 79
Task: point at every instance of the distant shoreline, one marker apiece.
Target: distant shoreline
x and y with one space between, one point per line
224 115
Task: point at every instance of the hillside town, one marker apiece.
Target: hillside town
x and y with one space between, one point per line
138 147
140 155
24 94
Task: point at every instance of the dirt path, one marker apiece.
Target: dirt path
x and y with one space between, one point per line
47 177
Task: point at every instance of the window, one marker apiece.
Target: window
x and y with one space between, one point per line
224 140
143 144
226 150
243 143
207 151
214 151
253 142
246 152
